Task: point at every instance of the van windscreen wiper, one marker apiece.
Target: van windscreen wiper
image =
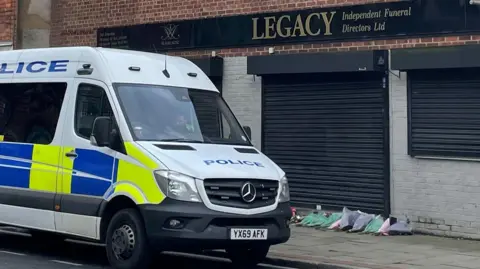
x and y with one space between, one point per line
182 140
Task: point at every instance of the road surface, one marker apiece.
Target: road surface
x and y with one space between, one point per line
23 252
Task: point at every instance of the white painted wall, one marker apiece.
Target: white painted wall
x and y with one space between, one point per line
439 196
243 94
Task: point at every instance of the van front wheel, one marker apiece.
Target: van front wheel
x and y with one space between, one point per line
126 241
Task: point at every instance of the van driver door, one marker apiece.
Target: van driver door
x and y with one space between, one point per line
87 169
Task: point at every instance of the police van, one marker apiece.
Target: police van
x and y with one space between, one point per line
137 151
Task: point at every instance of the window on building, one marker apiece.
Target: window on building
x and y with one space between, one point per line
444 113
92 102
29 112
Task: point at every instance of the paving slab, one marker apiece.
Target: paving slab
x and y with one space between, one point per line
377 252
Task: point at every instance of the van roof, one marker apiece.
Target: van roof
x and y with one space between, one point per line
108 64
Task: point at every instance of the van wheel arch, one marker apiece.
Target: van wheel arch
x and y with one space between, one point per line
108 210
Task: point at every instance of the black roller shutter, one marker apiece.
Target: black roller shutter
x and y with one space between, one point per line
444 112
330 135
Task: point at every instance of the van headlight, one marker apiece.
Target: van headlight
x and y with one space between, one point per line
284 190
177 186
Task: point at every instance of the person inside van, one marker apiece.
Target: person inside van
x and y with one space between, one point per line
182 125
176 126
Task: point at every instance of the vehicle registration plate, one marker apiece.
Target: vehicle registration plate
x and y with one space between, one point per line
248 234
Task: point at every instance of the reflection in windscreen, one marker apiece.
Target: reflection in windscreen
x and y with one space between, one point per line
178 114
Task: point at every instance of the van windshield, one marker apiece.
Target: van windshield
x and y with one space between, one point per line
161 113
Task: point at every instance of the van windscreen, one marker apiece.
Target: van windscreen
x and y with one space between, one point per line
161 113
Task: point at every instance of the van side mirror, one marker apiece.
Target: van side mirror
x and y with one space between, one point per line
248 130
102 129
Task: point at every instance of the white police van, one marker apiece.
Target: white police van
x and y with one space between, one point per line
135 150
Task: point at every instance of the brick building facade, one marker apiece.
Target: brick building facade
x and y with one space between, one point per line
369 121
7 23
76 22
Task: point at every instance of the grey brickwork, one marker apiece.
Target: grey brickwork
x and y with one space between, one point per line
439 196
243 94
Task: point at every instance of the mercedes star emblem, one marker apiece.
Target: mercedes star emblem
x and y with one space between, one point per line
248 192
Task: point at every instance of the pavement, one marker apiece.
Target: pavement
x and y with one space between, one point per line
307 249
331 249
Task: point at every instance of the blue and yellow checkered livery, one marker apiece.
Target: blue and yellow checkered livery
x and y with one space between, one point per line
45 168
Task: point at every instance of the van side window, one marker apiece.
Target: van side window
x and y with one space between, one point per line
92 102
29 112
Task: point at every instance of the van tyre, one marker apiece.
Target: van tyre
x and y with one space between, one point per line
248 257
126 241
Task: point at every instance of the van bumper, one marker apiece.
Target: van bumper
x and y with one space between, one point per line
204 229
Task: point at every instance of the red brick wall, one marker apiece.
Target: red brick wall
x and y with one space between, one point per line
7 20
75 22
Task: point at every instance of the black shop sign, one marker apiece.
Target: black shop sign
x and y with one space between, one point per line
361 22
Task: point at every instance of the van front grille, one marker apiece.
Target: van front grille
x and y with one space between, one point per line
228 192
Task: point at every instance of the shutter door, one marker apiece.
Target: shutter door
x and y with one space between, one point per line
445 112
328 134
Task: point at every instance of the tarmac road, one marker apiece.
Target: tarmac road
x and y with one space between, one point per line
23 252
